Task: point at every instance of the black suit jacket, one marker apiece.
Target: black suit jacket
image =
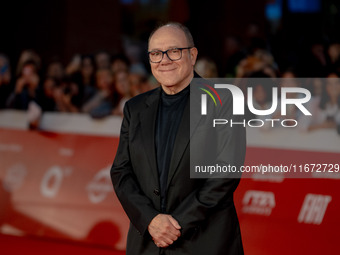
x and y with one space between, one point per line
203 207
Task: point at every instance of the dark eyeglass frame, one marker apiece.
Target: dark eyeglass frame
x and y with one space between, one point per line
166 52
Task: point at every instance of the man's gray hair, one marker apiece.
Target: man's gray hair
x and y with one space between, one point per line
185 30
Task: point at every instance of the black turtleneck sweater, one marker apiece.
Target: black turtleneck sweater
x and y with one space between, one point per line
170 111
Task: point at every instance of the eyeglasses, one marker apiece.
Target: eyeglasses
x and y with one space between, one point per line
173 54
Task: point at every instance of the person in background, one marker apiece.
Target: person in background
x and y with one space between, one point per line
206 68
103 101
288 81
315 85
119 63
67 96
325 109
137 76
233 54
260 61
313 60
5 80
262 95
55 70
73 66
261 101
123 89
148 83
334 56
329 107
46 95
85 78
28 56
102 59
133 51
25 87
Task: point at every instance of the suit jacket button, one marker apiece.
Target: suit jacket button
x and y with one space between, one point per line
156 192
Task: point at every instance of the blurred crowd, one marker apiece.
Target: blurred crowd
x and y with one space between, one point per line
96 84
316 67
101 83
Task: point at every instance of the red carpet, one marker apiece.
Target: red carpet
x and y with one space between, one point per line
13 245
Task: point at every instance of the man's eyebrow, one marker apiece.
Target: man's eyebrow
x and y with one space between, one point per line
171 47
155 50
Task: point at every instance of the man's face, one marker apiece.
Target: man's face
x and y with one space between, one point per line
167 72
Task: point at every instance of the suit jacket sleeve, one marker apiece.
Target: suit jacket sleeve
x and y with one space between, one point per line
215 192
138 207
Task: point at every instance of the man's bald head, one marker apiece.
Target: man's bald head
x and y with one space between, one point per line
179 26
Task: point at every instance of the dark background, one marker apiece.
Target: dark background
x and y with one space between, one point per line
60 28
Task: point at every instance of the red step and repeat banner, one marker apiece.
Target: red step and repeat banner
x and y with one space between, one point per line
57 186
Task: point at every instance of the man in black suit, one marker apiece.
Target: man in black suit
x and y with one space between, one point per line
171 213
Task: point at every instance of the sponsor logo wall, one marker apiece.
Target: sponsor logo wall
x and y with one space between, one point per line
57 185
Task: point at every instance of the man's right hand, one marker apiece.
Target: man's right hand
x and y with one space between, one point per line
164 230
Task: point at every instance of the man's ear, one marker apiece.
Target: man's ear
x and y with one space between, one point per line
193 55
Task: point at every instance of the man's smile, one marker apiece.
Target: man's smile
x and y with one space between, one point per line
167 70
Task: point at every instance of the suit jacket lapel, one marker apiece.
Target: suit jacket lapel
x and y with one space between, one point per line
190 120
181 141
148 122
